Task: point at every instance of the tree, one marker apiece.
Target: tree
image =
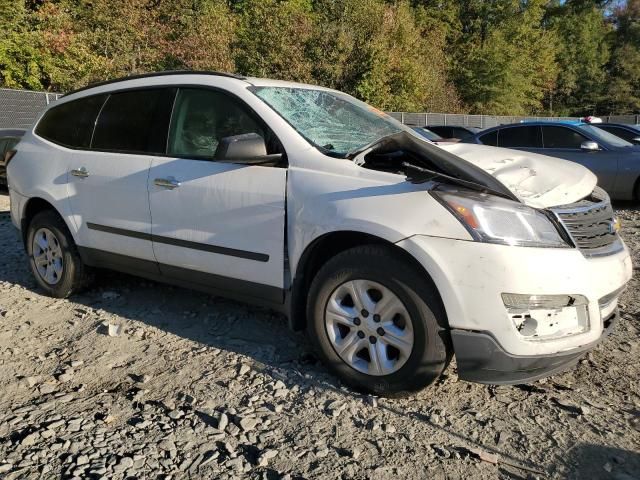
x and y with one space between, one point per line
582 57
479 56
21 61
200 35
623 93
503 56
382 54
272 38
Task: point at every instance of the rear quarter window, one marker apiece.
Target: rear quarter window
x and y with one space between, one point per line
620 132
71 124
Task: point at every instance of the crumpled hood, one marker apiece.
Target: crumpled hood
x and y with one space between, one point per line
537 180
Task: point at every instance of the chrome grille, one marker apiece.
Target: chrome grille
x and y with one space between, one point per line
590 224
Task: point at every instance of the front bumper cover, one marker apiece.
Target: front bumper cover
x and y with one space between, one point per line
481 359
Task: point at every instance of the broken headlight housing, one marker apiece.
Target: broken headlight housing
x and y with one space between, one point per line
493 219
547 317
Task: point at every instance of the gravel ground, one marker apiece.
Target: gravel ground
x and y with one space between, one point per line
134 379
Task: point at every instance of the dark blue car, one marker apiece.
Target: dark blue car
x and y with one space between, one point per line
615 161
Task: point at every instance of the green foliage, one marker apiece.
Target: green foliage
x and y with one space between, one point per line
504 58
623 93
381 53
21 63
582 57
200 37
476 56
272 39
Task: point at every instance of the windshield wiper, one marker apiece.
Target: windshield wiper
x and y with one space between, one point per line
426 175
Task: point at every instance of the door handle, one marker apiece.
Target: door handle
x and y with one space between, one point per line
80 172
169 183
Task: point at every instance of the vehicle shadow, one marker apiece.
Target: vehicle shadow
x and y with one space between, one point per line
625 204
207 320
591 461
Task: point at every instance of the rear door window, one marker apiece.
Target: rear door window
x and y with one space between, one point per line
521 137
135 121
71 124
444 132
490 138
460 133
561 137
202 118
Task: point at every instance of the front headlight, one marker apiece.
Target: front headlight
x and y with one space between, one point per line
497 220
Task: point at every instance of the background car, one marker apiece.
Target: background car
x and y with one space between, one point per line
432 136
630 133
615 161
9 138
454 131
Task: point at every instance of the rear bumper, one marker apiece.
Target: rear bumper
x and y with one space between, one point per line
481 359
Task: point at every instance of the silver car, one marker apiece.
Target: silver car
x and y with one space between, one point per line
615 161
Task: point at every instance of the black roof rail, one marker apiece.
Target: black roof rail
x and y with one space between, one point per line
156 74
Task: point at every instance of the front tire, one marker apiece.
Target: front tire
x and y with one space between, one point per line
377 322
53 256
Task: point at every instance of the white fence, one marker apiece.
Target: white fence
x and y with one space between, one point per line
486 121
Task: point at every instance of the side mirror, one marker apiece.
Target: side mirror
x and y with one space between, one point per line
636 140
248 149
589 146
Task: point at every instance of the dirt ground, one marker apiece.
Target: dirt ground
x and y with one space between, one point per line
134 379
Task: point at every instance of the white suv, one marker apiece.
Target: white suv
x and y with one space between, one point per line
393 253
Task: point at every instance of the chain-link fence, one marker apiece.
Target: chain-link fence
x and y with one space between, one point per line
20 108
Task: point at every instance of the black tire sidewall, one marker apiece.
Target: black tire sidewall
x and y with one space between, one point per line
72 266
430 354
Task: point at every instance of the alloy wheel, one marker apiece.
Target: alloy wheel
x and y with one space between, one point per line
369 327
47 255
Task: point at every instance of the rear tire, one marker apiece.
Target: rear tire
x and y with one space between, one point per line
53 256
406 304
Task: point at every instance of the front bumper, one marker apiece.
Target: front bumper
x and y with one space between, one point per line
481 359
472 276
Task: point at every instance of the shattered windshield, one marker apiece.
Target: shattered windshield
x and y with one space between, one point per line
332 121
